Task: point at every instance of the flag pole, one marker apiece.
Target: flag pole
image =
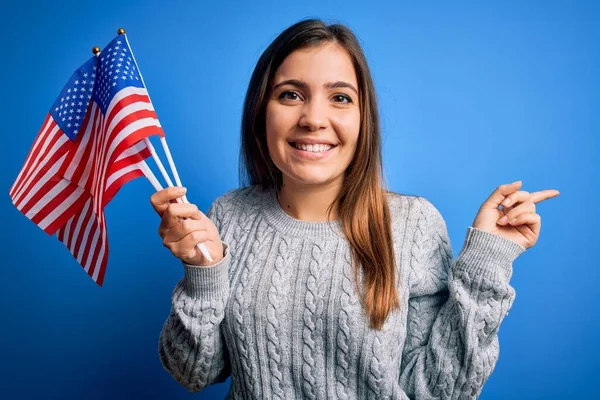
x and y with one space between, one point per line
165 146
147 170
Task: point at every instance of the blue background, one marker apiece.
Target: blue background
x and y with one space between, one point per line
472 95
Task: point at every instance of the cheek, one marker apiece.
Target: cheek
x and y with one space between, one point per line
277 123
348 127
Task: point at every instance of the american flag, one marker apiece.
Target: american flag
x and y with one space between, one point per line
90 145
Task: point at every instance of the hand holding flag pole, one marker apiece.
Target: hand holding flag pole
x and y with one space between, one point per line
90 144
158 162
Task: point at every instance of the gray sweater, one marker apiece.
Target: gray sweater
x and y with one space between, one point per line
281 316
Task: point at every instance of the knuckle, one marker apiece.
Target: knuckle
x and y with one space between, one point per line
186 225
197 236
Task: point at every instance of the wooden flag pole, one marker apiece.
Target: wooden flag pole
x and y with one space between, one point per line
147 171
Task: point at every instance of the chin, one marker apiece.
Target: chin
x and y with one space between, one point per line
310 179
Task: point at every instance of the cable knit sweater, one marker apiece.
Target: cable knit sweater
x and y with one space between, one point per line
281 316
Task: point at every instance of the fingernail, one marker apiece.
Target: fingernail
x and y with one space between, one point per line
181 189
515 182
506 201
502 220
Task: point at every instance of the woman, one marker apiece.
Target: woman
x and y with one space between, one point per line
322 283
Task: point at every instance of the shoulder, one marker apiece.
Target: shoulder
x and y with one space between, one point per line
420 229
240 196
413 207
246 199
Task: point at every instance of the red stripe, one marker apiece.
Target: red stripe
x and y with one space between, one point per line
97 247
76 175
70 212
28 180
129 160
45 188
82 223
126 101
116 185
60 234
38 156
90 244
38 142
104 262
55 202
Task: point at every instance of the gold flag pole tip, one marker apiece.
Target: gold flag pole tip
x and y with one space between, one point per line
120 31
96 50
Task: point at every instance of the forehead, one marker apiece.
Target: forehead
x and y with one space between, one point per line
328 62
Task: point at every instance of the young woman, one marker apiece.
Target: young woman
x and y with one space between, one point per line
323 284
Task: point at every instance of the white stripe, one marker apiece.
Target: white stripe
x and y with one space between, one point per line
88 163
77 159
37 166
51 194
128 130
75 235
92 249
86 233
67 229
122 135
34 151
128 91
136 148
128 110
119 173
61 208
38 184
101 253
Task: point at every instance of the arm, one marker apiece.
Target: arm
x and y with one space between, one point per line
455 310
191 347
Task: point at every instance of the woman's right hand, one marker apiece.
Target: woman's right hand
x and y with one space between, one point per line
181 235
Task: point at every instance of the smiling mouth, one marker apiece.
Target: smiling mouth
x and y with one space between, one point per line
318 148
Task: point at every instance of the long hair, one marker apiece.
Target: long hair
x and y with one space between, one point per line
362 205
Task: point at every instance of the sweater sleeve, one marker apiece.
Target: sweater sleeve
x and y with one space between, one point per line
191 346
455 309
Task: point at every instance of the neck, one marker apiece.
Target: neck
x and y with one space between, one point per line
309 202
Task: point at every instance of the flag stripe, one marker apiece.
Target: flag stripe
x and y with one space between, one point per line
54 147
62 190
61 219
79 158
33 192
64 185
39 141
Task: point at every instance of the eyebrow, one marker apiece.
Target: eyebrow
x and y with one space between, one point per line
328 85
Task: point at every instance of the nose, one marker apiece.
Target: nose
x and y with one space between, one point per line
314 115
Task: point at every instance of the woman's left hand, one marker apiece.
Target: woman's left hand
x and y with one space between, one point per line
525 230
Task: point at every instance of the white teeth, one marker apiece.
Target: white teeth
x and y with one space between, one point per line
315 148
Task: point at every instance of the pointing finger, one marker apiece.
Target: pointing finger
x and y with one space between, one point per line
544 195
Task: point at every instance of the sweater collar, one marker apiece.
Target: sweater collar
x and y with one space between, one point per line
286 224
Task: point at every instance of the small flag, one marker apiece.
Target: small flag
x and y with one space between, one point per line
106 151
40 192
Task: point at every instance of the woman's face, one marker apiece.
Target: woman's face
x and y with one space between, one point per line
313 115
